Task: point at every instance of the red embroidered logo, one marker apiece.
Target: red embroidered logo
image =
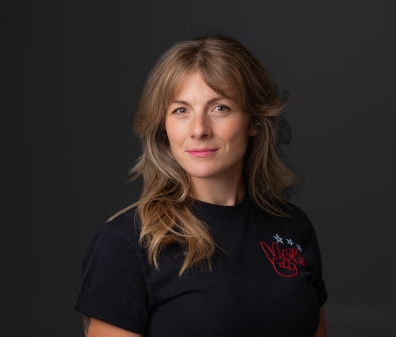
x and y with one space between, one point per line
284 262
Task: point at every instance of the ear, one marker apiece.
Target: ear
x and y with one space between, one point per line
252 130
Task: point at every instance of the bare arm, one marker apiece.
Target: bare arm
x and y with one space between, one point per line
322 331
96 328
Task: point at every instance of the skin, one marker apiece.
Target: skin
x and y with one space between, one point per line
199 118
322 330
97 328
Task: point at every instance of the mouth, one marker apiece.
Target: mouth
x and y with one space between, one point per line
201 153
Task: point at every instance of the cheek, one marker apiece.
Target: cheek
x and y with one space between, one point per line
173 124
237 134
171 133
174 139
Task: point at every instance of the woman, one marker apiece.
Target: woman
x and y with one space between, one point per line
211 248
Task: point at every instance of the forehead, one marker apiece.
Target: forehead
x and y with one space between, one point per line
193 85
195 82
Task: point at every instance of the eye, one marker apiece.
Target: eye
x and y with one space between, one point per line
221 108
180 111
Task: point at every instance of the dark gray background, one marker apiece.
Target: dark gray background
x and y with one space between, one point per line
73 76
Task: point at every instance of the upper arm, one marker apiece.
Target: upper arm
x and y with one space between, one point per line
113 287
96 328
322 331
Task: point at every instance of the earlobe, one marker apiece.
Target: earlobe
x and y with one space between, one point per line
252 131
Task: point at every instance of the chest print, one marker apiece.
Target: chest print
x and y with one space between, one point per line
284 260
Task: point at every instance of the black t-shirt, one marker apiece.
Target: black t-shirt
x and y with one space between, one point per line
266 280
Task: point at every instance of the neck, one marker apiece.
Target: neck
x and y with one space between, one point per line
218 191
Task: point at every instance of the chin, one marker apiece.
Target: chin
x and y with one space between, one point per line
201 175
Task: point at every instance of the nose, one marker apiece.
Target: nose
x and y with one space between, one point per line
200 126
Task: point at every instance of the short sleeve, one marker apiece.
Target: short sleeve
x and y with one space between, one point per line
113 285
318 281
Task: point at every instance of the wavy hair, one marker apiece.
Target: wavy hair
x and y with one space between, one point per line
165 208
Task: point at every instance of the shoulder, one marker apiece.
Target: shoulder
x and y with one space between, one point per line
297 213
123 227
116 242
302 224
113 286
298 218
294 216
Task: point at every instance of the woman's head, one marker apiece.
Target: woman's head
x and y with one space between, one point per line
230 70
227 68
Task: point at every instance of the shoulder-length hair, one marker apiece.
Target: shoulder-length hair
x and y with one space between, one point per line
165 208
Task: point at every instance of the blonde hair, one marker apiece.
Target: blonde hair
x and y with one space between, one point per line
164 208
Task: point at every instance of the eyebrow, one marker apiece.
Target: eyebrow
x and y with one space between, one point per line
215 99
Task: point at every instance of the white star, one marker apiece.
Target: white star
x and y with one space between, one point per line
278 239
290 242
299 248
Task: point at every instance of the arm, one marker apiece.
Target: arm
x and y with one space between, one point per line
322 332
113 288
96 328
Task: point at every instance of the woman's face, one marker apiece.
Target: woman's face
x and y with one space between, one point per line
208 133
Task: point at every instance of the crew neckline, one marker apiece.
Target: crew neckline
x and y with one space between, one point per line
223 211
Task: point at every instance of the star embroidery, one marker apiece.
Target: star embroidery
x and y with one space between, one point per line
290 242
278 239
299 248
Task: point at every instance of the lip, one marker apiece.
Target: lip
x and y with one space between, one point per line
202 153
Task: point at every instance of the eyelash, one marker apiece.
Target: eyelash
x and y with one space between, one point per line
223 107
178 110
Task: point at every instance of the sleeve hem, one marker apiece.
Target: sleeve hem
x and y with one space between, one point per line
100 310
322 298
